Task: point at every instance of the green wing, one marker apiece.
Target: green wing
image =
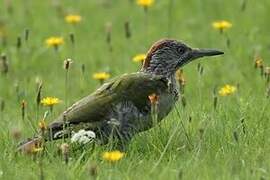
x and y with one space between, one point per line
133 87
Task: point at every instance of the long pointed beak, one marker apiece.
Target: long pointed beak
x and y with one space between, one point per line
197 53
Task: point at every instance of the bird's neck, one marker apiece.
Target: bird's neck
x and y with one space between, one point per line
170 75
160 70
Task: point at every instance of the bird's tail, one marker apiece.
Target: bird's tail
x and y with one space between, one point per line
54 131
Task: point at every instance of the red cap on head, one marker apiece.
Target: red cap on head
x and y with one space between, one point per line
157 45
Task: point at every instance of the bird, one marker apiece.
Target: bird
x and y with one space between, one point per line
121 108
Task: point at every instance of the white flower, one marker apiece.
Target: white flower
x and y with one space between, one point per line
83 137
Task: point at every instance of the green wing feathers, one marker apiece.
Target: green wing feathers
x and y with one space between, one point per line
94 108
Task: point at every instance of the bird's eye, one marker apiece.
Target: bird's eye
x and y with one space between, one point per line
181 50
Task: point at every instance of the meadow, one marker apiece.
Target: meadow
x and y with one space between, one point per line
209 135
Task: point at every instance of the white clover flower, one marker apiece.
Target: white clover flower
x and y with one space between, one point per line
83 137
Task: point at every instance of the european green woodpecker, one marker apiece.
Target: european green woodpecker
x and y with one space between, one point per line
123 107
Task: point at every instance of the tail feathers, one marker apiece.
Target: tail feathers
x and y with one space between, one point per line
55 131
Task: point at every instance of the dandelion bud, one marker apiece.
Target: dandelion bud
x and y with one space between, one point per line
127 30
67 63
42 125
268 92
243 125
201 132
16 134
215 101
189 119
4 64
267 74
258 62
26 35
23 107
2 105
183 100
108 27
93 170
215 98
198 67
64 120
181 80
38 81
83 68
262 70
201 70
235 136
38 98
228 41
19 42
72 38
65 150
153 99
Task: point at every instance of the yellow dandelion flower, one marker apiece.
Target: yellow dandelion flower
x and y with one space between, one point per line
31 147
258 62
101 76
42 125
113 156
54 41
145 3
73 19
221 25
180 77
227 90
139 58
50 101
36 150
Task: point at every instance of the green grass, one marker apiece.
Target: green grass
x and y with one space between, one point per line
213 151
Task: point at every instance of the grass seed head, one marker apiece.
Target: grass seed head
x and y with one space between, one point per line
67 64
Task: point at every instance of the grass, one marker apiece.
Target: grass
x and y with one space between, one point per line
231 142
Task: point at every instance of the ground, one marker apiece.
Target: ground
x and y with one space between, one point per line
197 141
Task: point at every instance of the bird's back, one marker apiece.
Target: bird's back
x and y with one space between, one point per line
124 99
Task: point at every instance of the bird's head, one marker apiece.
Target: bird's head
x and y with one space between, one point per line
166 56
